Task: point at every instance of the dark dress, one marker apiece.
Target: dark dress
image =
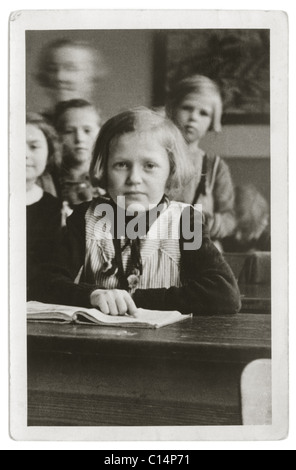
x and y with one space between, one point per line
210 287
43 228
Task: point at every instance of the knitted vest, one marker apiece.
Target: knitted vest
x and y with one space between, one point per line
160 250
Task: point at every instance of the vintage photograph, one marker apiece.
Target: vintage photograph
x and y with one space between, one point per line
149 228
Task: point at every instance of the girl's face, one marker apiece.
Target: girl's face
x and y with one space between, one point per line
194 116
80 130
36 153
70 72
138 168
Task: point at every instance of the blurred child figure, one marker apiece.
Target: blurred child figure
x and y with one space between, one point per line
252 232
69 69
43 210
129 247
195 106
77 123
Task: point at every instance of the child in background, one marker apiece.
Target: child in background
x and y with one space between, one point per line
139 160
69 69
195 106
252 232
43 210
77 123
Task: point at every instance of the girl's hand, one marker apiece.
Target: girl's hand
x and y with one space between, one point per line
113 302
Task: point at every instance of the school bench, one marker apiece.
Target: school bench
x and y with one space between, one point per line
253 273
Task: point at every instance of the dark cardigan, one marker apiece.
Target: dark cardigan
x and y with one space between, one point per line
43 227
210 286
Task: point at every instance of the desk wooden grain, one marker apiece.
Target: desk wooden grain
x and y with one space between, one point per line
183 374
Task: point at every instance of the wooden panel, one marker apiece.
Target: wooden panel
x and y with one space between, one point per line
91 390
57 409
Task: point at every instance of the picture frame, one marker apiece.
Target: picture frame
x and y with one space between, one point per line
237 59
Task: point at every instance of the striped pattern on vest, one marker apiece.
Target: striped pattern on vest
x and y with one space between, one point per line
160 250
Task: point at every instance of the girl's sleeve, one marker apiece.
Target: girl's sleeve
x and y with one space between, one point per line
209 285
55 281
223 222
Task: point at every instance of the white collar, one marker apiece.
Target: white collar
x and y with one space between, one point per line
34 195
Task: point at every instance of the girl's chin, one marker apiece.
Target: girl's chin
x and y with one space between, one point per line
79 158
191 138
131 207
31 175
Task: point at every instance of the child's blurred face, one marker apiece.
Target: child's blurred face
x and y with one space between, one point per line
79 132
70 72
36 152
138 168
194 116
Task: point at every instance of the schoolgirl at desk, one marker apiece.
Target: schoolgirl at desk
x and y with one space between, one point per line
139 157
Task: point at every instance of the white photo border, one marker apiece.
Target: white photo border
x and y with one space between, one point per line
276 21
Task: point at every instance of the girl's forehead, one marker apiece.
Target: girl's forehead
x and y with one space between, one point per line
71 53
86 114
33 132
137 142
198 98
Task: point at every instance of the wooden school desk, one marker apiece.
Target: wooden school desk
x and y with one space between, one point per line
256 298
183 374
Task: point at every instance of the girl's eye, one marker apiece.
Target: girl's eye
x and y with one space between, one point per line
121 165
87 130
186 107
71 68
205 113
150 166
51 69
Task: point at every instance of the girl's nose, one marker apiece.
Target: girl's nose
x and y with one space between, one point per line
194 115
79 136
61 75
28 153
135 176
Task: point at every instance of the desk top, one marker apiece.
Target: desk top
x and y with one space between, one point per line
237 338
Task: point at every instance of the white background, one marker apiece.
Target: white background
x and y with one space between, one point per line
5 442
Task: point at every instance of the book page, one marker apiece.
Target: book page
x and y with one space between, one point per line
152 318
37 308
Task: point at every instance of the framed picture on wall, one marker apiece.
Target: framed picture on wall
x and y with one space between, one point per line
237 59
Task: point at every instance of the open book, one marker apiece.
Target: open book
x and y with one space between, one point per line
40 312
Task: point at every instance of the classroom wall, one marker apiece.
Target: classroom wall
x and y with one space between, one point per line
129 56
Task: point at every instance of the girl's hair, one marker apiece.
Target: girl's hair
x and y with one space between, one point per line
201 85
54 146
63 106
100 69
142 121
251 209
